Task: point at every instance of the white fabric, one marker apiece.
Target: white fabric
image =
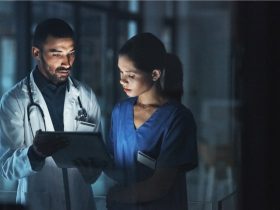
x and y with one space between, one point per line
42 190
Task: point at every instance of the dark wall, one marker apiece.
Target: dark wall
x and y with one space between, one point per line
256 51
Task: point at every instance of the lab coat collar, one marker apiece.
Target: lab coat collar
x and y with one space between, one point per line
39 99
71 85
71 106
70 103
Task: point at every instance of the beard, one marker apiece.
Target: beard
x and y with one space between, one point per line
56 77
62 78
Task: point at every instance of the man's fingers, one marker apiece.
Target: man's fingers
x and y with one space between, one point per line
50 146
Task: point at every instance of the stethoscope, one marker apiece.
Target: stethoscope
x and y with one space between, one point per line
82 114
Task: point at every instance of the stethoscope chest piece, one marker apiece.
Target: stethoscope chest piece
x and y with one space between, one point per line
82 115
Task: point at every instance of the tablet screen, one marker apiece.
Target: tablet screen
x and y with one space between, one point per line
80 146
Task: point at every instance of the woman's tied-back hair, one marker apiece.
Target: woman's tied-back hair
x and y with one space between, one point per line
172 79
51 27
147 53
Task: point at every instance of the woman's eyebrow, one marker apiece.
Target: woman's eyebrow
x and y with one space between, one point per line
129 71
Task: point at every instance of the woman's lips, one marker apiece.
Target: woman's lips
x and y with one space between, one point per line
126 90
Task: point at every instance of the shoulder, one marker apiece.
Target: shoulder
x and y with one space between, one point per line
182 113
185 111
17 92
81 86
15 97
85 91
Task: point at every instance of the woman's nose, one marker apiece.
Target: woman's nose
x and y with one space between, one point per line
123 81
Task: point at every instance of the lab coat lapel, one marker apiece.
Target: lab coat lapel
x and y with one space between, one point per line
39 99
70 107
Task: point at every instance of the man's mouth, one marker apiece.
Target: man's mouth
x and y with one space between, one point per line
63 71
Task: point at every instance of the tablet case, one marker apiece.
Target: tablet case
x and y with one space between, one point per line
80 146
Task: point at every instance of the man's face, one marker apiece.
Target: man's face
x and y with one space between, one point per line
56 58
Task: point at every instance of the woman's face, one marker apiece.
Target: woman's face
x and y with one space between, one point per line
133 81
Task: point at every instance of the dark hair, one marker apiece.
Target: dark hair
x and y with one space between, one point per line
172 77
146 51
51 27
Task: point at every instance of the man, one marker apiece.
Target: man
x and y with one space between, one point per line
47 99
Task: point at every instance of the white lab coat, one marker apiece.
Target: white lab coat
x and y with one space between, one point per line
42 190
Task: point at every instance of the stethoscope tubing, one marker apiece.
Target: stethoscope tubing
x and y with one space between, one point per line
32 103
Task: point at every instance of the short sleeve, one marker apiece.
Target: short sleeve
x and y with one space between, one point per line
113 130
179 147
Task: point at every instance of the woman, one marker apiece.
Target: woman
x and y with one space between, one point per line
153 136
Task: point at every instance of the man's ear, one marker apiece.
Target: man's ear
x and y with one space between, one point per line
156 74
36 53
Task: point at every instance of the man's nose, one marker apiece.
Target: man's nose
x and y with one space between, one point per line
67 61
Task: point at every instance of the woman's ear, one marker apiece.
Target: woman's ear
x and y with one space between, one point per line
35 52
156 74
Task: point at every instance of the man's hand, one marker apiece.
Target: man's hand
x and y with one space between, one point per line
44 146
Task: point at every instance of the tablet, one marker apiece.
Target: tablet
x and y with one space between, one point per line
80 146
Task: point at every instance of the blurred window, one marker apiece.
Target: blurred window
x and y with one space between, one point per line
7 46
92 50
7 74
130 6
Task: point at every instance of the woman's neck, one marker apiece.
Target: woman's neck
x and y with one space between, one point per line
151 100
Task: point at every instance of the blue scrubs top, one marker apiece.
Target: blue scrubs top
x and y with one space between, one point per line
168 136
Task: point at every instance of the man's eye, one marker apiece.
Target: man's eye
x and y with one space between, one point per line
131 76
56 55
